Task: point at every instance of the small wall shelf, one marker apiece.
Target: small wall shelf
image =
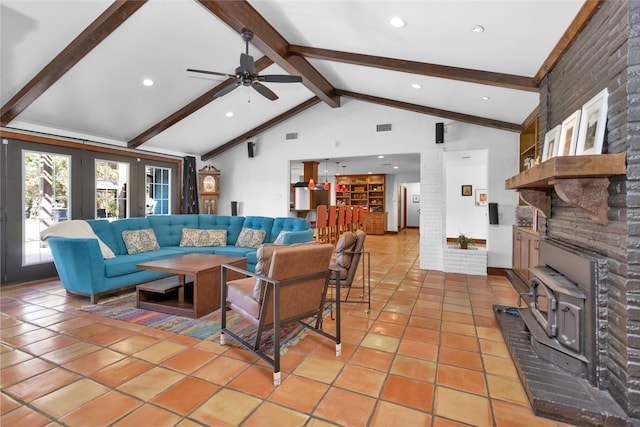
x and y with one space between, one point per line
581 181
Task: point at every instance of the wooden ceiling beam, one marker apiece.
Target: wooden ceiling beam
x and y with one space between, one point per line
240 15
101 28
481 121
261 128
191 107
583 16
509 81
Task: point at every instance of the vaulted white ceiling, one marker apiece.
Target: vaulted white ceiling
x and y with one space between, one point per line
102 98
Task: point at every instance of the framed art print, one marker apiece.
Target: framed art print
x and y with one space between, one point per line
467 190
569 135
593 121
481 197
550 143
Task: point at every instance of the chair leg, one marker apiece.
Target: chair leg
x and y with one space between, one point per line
338 350
276 379
223 338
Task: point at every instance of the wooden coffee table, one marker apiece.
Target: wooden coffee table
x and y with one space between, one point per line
179 297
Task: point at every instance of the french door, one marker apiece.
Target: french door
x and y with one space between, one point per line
44 184
39 182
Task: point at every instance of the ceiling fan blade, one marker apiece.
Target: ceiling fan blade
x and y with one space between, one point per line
215 73
226 90
264 91
247 64
280 78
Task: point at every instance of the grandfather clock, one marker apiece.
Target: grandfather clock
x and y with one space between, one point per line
209 180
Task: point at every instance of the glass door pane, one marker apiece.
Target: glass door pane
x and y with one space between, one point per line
46 195
111 189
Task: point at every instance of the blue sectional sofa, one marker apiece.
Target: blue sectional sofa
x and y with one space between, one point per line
84 269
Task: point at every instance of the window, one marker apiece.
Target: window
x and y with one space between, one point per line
111 189
45 197
157 190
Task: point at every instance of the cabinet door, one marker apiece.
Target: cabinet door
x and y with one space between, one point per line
534 253
517 241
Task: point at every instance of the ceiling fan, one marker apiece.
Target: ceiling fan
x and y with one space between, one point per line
247 75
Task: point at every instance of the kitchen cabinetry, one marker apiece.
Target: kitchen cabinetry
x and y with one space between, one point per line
367 191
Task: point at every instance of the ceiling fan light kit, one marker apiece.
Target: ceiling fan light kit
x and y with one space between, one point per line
247 75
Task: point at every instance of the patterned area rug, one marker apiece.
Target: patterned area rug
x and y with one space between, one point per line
205 328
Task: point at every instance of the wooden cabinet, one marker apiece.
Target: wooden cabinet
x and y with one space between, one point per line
361 190
367 191
525 251
375 222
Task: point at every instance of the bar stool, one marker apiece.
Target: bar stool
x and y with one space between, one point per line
361 213
354 218
332 224
348 218
322 230
341 220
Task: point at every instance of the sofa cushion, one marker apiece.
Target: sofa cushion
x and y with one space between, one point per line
261 223
104 231
286 224
138 241
233 225
126 224
126 264
195 237
280 239
169 228
250 238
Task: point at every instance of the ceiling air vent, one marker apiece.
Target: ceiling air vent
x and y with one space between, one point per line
387 127
292 135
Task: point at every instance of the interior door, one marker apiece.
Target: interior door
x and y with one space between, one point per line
37 187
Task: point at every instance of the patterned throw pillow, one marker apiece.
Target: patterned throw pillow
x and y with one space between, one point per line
195 237
250 238
138 241
280 239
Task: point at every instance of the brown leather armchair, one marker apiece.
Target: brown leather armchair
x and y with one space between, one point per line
348 253
289 285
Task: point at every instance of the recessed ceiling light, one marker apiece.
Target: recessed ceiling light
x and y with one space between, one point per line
229 114
486 98
397 22
381 157
416 86
477 29
148 82
395 167
369 173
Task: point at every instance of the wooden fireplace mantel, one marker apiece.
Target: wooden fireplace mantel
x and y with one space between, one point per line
581 181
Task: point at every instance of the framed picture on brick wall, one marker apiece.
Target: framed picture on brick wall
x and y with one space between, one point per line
569 135
551 143
593 121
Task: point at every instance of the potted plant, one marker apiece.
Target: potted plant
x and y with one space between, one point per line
464 241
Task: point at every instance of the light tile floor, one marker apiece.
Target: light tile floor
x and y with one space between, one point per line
428 353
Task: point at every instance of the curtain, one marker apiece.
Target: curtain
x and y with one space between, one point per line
190 186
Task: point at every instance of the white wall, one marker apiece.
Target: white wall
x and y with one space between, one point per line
261 184
463 216
413 209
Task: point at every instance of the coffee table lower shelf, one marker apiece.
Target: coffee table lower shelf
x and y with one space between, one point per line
164 296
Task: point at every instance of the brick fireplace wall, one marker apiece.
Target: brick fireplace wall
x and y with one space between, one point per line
607 54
